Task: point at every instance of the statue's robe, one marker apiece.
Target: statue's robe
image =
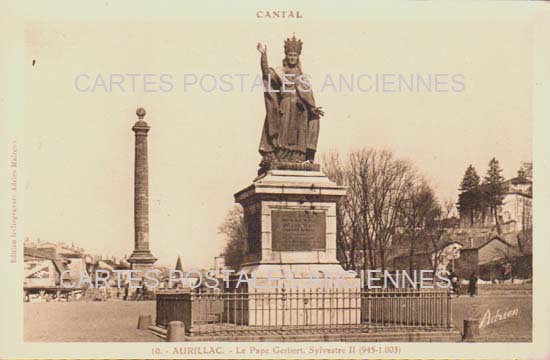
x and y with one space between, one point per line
289 123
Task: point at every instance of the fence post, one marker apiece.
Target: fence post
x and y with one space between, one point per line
369 310
144 321
283 306
189 312
176 331
450 311
471 329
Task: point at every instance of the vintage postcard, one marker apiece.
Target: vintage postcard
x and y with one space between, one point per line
275 180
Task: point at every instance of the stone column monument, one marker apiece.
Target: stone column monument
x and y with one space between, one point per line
141 258
290 208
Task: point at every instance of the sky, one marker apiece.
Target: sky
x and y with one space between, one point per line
78 147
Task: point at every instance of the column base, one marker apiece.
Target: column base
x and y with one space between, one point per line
142 260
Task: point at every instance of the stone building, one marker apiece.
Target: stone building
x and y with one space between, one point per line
516 209
515 213
42 268
494 257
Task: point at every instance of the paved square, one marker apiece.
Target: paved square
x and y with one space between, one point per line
116 321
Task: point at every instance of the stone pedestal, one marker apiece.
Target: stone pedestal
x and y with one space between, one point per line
291 249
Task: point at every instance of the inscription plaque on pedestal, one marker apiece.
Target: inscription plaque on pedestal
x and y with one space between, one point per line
298 230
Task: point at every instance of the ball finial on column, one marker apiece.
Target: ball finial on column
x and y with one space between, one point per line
140 112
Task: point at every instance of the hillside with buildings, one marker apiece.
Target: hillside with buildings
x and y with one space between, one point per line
498 246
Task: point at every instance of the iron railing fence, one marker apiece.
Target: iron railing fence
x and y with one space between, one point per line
303 311
408 308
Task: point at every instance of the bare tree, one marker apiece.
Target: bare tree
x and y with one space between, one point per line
438 244
369 215
346 216
419 218
234 229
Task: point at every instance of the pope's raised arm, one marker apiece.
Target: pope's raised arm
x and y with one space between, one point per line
263 59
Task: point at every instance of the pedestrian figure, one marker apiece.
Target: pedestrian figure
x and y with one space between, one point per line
455 283
472 286
140 292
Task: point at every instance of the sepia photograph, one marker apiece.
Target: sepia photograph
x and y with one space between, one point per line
266 181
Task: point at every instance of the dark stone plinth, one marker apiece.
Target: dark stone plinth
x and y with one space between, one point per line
290 217
279 165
